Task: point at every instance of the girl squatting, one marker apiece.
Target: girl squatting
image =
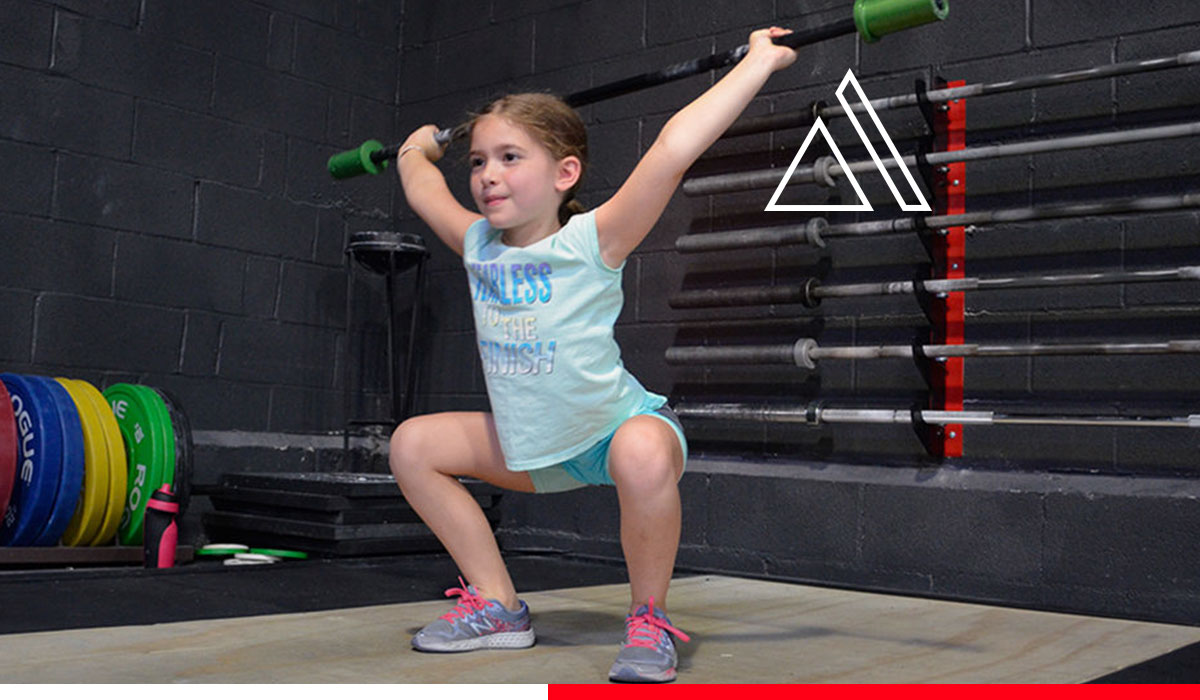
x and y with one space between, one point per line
545 277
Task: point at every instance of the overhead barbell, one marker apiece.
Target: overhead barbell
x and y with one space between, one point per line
804 117
871 19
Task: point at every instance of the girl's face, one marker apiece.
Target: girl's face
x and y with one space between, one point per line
515 181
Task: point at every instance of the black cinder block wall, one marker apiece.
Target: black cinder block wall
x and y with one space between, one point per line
167 219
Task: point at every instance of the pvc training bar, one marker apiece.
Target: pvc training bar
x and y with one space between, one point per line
795 118
826 168
805 352
815 414
871 19
811 291
817 230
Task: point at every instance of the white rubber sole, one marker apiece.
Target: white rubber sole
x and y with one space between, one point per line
497 640
628 673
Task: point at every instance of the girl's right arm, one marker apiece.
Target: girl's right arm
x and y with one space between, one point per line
426 191
627 218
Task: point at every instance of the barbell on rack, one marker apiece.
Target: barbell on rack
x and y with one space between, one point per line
815 231
826 168
816 413
805 352
811 291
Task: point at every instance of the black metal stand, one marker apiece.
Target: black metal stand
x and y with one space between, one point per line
388 253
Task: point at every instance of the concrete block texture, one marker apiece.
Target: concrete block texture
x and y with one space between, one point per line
62 113
105 334
201 344
1132 542
1047 25
177 274
265 351
251 94
799 520
241 30
1045 540
673 20
16 316
120 59
120 12
485 57
340 59
247 220
163 151
295 409
27 30
312 294
118 195
906 529
223 404
31 193
181 142
580 33
42 255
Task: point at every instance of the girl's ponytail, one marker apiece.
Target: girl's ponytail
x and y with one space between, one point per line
570 207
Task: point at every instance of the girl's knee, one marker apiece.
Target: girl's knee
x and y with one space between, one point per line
406 449
645 455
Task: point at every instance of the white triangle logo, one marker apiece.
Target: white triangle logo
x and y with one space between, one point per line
898 162
787 177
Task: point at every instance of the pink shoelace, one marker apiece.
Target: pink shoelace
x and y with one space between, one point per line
643 630
468 602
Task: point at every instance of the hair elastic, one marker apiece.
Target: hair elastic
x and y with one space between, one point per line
408 148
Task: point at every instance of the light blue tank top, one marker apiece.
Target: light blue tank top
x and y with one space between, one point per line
544 318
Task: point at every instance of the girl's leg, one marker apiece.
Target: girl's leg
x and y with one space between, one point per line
645 461
427 454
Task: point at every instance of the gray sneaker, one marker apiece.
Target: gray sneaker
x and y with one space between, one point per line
476 623
648 652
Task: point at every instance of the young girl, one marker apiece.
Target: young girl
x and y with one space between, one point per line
545 282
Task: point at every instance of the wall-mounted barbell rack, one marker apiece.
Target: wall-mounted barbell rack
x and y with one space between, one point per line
940 423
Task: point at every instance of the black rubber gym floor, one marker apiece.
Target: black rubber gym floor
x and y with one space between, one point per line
34 601
38 601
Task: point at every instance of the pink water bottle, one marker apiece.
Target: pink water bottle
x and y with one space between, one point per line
161 535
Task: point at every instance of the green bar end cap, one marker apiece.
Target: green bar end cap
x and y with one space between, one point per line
877 18
356 161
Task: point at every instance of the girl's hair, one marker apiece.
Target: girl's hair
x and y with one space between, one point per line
555 125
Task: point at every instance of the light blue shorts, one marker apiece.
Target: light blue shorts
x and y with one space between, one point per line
590 467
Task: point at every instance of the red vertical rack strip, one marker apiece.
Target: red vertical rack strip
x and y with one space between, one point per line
949 253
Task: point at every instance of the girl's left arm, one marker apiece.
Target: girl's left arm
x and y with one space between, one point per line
625 219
